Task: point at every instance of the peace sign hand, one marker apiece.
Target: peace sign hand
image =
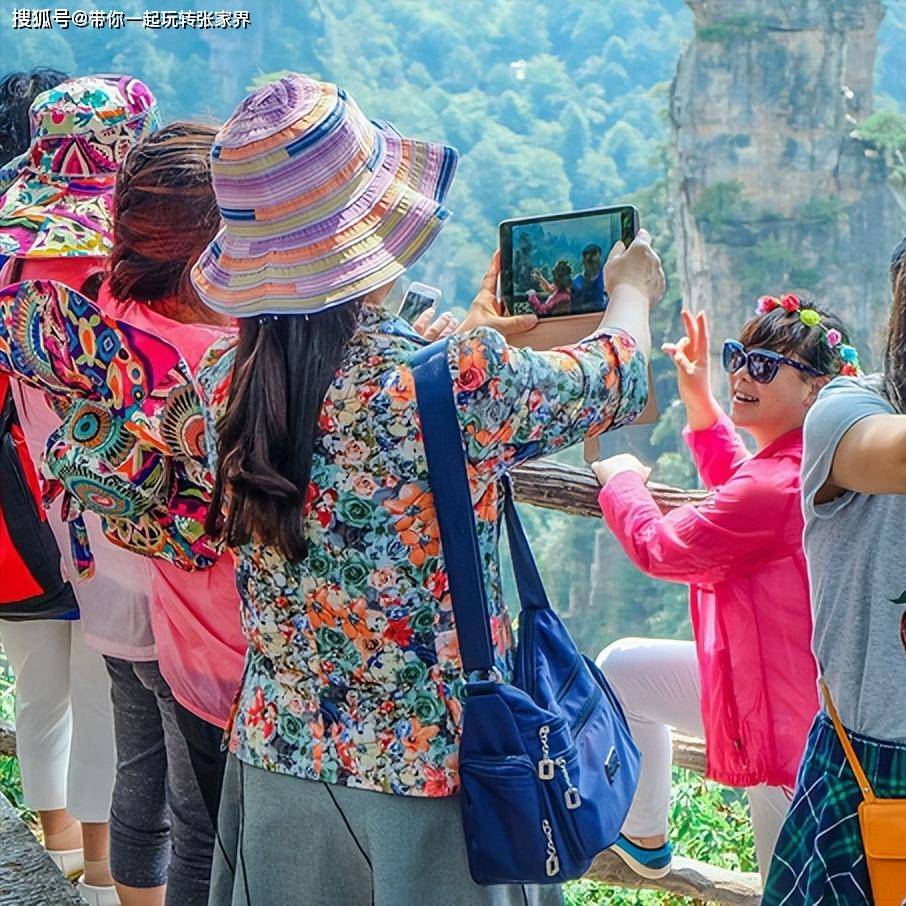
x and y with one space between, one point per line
690 355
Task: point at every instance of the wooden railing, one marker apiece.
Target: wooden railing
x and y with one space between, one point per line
29 878
570 490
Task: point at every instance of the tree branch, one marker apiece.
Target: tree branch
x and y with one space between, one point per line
570 490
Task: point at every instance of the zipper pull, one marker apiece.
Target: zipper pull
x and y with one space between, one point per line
546 765
572 797
552 865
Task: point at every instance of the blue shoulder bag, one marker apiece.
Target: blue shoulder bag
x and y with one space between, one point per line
547 764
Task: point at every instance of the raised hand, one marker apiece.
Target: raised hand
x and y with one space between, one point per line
690 355
638 266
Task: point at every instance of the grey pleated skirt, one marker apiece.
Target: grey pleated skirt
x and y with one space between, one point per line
283 841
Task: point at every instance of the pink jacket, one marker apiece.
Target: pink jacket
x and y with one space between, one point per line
740 551
195 615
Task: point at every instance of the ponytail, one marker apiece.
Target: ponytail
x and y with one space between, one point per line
266 438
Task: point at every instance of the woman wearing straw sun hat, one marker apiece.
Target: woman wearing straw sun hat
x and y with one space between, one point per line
344 744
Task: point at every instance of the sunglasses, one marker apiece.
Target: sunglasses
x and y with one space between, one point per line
762 364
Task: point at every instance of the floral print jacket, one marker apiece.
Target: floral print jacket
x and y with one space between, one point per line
353 675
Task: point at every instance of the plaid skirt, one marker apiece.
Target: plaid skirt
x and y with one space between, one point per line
819 857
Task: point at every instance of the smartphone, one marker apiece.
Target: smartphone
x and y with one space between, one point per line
419 298
553 265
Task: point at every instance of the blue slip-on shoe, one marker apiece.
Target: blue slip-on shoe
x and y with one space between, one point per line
649 863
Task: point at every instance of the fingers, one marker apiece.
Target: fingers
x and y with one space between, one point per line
451 322
441 327
421 323
616 251
677 352
489 281
517 324
690 325
704 334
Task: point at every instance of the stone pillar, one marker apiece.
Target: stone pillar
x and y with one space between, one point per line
772 191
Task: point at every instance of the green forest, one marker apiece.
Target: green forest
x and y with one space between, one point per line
554 106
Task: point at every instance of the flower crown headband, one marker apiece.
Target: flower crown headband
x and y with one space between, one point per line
848 355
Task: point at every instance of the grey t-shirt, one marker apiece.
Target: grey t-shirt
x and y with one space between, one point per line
856 550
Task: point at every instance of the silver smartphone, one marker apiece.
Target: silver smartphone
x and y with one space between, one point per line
419 298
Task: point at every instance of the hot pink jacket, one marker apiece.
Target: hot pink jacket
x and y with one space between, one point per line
195 615
740 551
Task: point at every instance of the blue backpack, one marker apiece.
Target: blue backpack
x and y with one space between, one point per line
547 763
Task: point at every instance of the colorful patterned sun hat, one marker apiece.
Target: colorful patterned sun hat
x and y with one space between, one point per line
320 204
60 203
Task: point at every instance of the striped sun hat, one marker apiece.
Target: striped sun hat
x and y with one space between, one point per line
320 204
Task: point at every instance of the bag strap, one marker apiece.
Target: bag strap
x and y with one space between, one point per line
453 505
456 516
528 580
867 792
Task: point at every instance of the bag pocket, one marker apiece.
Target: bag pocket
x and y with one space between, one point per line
503 818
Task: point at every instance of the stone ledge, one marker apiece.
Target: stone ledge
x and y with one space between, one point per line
28 876
7 739
688 878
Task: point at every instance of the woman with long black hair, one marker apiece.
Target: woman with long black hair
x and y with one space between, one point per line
342 778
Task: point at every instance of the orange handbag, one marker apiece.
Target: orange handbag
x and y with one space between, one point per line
883 825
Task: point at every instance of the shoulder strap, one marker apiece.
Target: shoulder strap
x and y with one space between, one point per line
453 504
861 779
528 580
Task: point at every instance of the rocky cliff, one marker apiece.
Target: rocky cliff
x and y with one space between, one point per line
772 190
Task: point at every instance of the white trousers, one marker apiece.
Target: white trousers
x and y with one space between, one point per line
64 718
658 685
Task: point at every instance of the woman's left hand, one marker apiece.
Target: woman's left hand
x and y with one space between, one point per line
431 328
488 311
606 469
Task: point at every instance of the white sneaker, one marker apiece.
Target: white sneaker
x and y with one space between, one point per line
71 862
98 896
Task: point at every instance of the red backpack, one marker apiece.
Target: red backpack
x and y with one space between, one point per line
31 585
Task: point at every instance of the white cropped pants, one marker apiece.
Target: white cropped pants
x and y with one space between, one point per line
64 718
658 685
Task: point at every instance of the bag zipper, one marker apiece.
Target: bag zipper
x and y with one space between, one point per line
567 827
552 865
586 712
499 761
567 685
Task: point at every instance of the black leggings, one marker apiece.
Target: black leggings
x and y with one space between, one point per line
208 758
160 832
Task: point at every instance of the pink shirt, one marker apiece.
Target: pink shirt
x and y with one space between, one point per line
200 646
741 553
114 603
